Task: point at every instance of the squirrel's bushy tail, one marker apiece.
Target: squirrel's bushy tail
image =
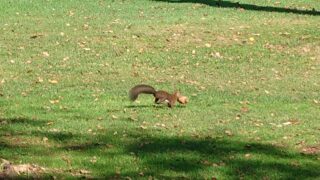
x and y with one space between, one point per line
138 89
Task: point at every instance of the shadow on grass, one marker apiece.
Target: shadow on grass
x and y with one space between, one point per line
22 121
83 146
168 157
250 7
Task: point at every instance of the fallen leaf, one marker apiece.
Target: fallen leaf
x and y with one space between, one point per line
53 81
67 160
311 150
251 39
56 101
45 54
228 132
54 130
83 171
133 119
287 123
244 109
143 127
45 139
93 159
40 80
66 58
50 123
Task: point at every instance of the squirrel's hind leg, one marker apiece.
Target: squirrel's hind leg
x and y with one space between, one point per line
156 100
170 105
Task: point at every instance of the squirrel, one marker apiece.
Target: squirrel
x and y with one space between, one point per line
160 96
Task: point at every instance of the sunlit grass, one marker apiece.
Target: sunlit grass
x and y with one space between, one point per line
252 77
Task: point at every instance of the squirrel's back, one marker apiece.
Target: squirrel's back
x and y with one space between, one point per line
138 89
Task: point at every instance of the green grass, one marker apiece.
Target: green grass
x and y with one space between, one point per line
248 69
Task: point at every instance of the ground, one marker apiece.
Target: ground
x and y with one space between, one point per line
250 69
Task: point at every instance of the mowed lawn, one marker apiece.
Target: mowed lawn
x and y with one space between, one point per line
250 68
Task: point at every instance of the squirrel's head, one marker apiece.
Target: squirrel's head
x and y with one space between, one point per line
177 93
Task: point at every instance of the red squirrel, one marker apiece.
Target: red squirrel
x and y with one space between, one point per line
160 96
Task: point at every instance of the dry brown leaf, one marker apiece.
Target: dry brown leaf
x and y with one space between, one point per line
228 132
40 80
53 81
45 139
55 101
287 123
93 159
11 170
143 127
83 171
45 54
247 155
244 109
311 150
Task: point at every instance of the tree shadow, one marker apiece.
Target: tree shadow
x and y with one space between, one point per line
22 121
168 157
240 159
59 136
250 7
83 146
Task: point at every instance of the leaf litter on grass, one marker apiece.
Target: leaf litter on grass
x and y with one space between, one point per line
10 170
